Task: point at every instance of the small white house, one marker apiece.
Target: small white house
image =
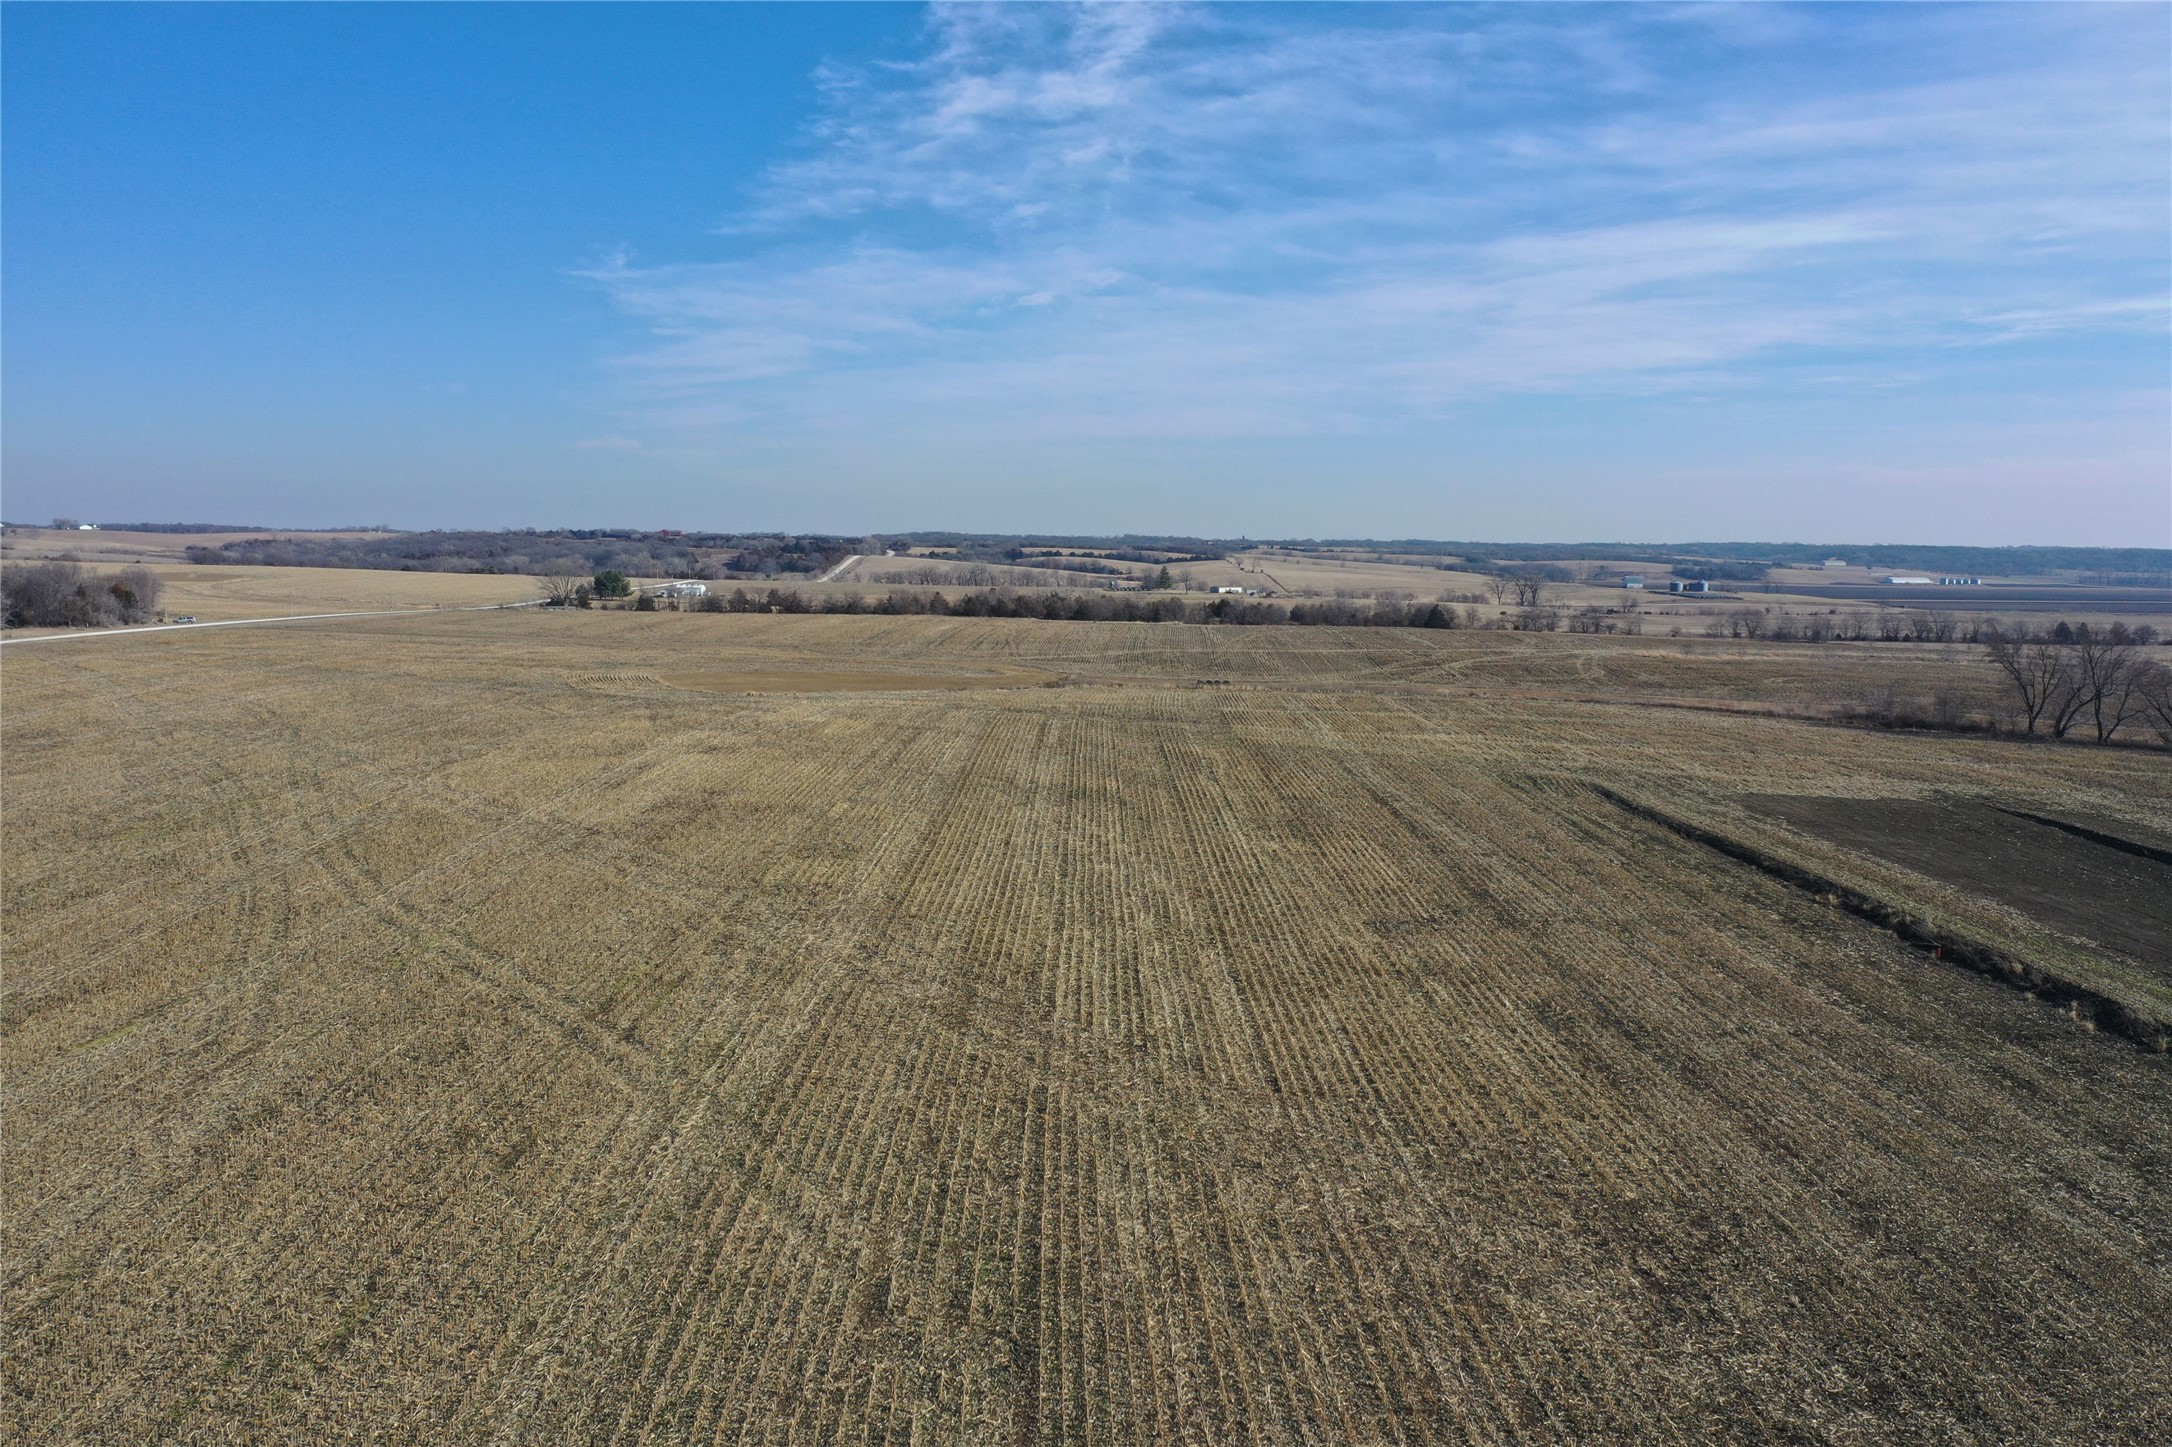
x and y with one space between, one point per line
1911 579
1835 564
1632 580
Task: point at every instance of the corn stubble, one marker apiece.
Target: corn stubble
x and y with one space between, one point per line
447 1030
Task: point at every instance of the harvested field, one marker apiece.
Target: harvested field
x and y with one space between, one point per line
1319 573
217 595
401 1044
118 546
840 681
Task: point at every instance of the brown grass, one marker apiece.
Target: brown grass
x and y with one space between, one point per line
435 1029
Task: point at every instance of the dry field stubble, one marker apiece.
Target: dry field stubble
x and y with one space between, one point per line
118 546
448 1029
1327 573
216 594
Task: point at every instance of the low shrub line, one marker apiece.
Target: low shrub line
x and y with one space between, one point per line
69 595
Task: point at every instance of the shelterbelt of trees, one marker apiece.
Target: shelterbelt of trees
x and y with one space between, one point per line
69 595
1531 613
661 554
1115 607
669 552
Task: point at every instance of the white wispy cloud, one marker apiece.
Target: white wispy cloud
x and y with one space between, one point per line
1167 222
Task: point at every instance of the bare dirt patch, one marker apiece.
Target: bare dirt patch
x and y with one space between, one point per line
834 681
2074 884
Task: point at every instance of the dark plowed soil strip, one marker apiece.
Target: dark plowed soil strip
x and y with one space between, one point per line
2094 836
2076 879
2101 1010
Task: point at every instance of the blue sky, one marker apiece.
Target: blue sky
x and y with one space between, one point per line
1530 271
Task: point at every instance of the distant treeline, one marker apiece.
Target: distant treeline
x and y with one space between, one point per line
1136 546
1711 569
186 527
1114 607
2153 564
1079 563
662 553
672 554
1531 614
2144 566
540 554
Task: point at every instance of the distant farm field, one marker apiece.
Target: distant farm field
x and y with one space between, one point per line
217 595
596 1027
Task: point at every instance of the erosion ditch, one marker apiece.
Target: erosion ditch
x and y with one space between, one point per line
2092 1006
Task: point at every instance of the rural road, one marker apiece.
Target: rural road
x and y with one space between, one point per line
86 633
831 575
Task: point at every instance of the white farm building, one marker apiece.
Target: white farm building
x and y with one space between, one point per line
683 590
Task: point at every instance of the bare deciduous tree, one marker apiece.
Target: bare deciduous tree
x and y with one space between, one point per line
562 590
2105 660
2069 699
1538 619
1934 627
2035 666
136 593
2153 692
